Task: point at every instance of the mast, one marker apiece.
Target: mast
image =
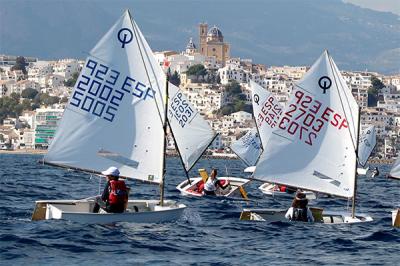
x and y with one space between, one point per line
179 154
165 141
353 205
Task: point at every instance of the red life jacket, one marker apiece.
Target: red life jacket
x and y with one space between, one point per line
118 192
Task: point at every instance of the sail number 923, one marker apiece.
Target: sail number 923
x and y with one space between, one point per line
180 110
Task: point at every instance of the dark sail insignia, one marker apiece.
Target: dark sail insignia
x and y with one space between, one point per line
327 178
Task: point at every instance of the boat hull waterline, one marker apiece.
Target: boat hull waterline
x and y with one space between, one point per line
233 191
269 189
138 211
326 217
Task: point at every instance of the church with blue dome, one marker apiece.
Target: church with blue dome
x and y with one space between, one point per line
212 43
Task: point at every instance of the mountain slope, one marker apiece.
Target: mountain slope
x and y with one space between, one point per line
272 32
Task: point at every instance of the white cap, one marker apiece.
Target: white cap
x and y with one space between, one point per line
111 171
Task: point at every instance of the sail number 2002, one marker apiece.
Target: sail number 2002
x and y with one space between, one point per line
305 117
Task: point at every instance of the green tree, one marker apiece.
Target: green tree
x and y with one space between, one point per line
239 105
237 99
71 82
64 100
373 91
15 96
20 64
233 88
29 93
46 99
197 70
174 78
226 110
248 108
10 107
26 104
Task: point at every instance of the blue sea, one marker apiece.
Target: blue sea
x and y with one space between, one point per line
209 232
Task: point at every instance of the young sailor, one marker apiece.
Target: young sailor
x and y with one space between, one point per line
299 210
375 172
212 183
115 193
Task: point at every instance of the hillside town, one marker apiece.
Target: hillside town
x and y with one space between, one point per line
215 82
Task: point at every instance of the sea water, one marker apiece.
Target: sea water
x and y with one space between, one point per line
209 232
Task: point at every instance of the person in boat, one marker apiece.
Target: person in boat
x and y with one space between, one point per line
299 210
115 194
212 183
286 189
375 172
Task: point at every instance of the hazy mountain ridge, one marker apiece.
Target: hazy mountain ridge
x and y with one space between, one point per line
273 32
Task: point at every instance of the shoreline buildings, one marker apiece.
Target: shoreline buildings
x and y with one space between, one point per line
207 92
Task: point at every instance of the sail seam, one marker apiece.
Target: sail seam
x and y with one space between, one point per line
145 68
342 104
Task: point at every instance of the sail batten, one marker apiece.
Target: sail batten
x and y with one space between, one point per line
312 146
115 107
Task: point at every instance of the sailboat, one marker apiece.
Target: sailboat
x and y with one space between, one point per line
116 116
248 147
267 111
314 145
192 135
395 174
366 145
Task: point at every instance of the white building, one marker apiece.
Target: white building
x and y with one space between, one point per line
5 87
242 117
28 117
293 72
27 139
204 97
233 71
21 85
66 68
39 69
216 144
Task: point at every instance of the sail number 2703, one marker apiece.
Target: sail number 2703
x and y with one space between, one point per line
305 117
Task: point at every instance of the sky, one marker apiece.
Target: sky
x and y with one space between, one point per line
379 5
271 32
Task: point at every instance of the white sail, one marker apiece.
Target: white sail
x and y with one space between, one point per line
267 111
313 146
248 147
367 143
115 114
191 132
395 171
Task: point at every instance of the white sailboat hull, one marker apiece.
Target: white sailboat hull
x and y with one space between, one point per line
270 190
250 169
138 211
232 191
327 217
396 218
